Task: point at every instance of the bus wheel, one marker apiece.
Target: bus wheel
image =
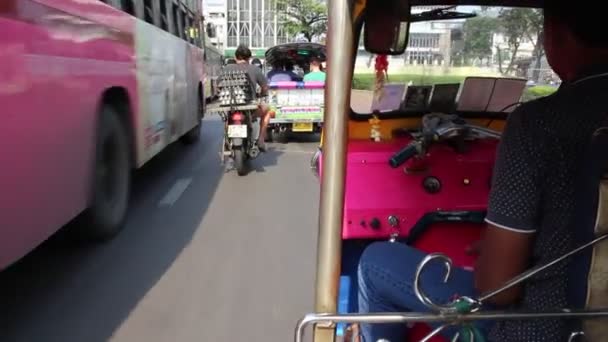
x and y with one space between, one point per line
194 135
111 179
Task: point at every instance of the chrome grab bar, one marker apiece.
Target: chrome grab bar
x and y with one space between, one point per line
449 315
417 317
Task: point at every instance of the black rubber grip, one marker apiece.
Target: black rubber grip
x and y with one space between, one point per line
403 155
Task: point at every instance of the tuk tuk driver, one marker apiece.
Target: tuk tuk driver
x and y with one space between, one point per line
256 76
531 203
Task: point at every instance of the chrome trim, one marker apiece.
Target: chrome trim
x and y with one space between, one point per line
417 317
340 59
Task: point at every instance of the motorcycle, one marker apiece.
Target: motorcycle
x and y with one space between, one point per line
241 126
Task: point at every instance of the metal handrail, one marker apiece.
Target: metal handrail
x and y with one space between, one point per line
453 318
448 315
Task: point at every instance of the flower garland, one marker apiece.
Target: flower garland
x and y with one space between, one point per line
381 67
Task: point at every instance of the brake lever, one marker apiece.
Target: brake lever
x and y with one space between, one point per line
484 132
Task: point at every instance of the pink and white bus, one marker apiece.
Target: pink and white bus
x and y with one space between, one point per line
90 90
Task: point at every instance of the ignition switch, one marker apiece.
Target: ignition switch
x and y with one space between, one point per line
393 221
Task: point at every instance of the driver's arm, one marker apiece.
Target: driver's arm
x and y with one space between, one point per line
513 211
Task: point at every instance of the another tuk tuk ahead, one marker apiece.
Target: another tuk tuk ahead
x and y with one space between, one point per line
297 105
420 174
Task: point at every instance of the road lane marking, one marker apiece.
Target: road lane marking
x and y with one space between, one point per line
175 192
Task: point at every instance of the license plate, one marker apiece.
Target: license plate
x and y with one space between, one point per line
302 127
237 131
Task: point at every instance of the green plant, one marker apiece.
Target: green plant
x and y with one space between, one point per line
536 92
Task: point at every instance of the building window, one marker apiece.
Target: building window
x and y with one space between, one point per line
128 6
256 25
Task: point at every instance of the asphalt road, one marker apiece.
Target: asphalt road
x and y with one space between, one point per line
205 256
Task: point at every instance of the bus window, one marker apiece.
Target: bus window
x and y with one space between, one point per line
182 24
188 29
164 17
148 12
175 13
128 6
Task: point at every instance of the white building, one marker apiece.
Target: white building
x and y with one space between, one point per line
254 23
215 13
430 43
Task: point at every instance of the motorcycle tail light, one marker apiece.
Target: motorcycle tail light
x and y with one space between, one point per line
237 117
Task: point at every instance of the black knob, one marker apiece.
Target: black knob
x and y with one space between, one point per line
374 223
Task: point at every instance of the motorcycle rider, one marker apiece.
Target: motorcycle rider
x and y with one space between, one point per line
256 78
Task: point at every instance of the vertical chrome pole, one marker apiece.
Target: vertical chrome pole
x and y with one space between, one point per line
337 105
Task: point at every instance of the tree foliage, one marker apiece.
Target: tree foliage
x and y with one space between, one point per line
478 37
303 17
519 25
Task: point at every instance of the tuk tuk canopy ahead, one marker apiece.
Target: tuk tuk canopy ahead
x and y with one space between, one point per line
297 53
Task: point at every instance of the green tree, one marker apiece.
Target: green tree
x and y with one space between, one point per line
519 24
478 37
306 17
536 34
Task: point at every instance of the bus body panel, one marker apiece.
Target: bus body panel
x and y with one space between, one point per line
213 60
57 60
168 73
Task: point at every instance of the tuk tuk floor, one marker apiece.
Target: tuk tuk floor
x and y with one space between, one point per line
205 256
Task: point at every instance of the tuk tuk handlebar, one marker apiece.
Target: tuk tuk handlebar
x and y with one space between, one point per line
436 134
404 154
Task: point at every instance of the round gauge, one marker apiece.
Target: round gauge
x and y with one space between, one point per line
432 185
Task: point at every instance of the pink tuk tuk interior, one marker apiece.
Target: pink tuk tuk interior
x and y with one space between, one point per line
436 203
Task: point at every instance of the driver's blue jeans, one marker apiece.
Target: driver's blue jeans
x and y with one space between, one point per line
386 284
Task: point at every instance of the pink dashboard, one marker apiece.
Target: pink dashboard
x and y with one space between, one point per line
449 188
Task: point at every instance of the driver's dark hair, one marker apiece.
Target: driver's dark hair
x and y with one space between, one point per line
581 20
242 52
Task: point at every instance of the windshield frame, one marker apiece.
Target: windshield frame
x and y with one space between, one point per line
399 113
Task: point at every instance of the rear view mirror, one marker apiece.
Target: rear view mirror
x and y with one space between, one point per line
387 24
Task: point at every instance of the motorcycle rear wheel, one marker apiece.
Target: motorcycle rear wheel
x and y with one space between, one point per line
239 161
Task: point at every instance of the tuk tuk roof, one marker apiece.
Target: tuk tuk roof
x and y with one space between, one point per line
296 52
